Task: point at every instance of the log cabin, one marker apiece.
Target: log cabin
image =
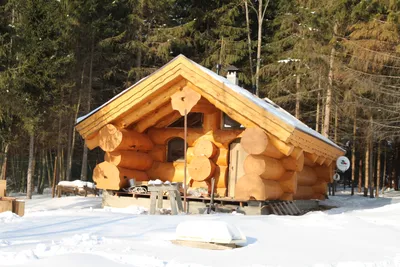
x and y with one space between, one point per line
254 149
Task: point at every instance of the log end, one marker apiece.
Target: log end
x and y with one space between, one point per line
201 168
254 141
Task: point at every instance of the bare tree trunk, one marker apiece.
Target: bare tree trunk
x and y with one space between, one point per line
85 149
69 150
393 170
396 177
297 112
62 170
328 101
42 175
249 42
323 111
370 163
384 170
360 174
3 175
260 15
353 155
138 60
49 164
336 124
378 170
318 105
72 142
367 167
34 169
30 166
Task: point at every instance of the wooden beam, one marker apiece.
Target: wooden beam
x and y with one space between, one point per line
321 160
328 162
297 153
93 142
212 122
310 156
153 117
168 120
149 106
204 108
220 138
283 147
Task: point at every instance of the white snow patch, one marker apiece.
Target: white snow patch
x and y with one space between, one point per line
8 217
66 232
129 210
77 183
155 182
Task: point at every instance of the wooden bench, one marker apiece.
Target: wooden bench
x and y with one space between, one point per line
156 197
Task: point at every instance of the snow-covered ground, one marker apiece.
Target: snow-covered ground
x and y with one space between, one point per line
75 231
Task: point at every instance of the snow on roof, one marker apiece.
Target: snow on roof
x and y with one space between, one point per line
268 105
265 103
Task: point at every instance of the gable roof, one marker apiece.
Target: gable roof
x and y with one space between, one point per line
232 99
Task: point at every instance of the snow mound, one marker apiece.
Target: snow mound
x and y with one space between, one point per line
77 183
209 231
8 217
137 210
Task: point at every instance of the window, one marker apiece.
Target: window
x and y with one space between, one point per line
194 120
229 123
176 149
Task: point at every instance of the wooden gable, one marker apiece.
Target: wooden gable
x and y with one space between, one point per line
148 104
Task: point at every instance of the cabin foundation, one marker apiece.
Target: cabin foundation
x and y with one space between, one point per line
199 205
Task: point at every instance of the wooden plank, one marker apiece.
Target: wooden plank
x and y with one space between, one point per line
172 198
6 205
160 200
153 196
203 245
19 207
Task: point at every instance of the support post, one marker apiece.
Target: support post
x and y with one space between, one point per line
185 168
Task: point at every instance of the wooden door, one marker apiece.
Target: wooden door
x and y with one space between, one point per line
236 159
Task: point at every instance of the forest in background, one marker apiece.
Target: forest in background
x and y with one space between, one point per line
334 64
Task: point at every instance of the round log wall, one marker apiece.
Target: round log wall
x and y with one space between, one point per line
271 160
273 169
